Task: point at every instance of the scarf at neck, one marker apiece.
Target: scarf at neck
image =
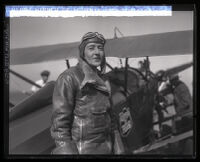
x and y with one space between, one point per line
92 76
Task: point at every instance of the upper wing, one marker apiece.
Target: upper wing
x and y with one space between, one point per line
170 43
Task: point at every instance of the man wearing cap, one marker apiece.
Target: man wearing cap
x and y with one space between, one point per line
45 75
182 96
82 118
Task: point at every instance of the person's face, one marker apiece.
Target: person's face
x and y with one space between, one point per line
44 78
94 54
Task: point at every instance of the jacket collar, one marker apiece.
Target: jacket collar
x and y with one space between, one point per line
92 77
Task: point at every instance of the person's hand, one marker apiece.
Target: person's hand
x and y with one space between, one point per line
67 148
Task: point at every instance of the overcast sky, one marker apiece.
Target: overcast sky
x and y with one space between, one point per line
27 31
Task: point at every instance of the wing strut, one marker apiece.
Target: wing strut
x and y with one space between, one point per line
115 32
25 79
109 66
126 76
120 60
67 63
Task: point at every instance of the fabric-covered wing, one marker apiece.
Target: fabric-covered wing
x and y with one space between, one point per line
170 43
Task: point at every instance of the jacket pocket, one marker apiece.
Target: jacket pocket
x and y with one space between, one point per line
99 118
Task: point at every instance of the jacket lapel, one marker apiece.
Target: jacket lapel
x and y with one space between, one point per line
91 77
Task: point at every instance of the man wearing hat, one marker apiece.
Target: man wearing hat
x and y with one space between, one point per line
45 75
82 118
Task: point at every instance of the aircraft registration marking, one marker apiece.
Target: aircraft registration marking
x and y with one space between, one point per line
125 121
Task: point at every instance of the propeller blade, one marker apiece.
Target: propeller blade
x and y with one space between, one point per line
178 69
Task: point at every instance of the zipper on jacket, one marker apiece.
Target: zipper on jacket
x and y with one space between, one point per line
81 135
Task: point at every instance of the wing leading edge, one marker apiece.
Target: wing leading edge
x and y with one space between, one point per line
161 44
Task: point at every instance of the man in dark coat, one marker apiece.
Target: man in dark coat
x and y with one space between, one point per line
182 96
183 105
82 120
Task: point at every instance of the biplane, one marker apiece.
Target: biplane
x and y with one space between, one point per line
29 120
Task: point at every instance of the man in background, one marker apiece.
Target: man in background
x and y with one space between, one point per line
183 107
45 76
141 67
183 98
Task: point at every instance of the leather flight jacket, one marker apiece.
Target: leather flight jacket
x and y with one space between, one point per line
82 119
